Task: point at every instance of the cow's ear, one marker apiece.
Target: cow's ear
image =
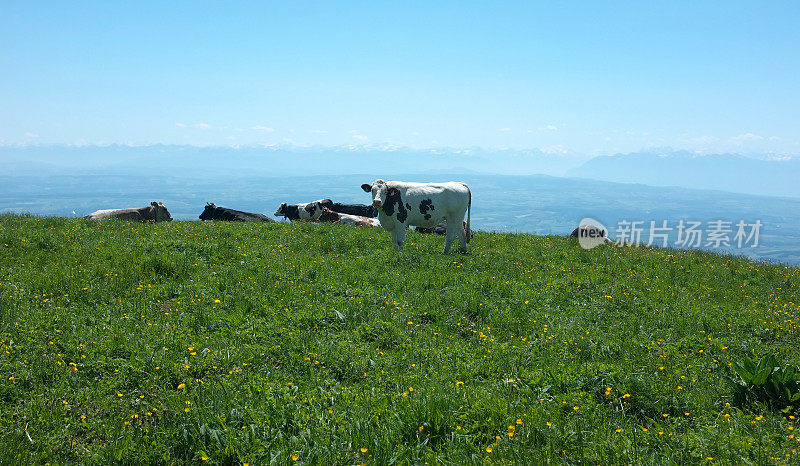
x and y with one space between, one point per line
154 203
160 203
366 187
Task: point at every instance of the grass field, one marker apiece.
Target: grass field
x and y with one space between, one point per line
319 344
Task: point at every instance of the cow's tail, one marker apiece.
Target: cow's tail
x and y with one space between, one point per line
469 209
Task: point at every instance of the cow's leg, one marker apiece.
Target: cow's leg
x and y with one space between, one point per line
462 240
450 235
398 238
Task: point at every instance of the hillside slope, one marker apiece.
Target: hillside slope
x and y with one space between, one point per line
234 343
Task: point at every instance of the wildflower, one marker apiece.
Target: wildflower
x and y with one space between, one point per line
421 427
119 395
216 301
181 386
459 383
488 449
363 450
294 458
11 379
519 421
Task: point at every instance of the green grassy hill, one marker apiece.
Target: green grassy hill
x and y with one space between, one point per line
319 344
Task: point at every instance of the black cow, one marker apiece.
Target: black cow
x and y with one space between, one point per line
439 229
212 212
360 210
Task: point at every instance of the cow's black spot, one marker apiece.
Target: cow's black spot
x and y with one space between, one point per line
311 207
392 198
292 212
425 206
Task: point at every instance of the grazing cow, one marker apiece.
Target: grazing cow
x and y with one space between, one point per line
307 211
360 210
441 229
401 204
212 212
347 219
155 212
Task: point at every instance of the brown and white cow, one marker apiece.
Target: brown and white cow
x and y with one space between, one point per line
155 212
347 219
401 204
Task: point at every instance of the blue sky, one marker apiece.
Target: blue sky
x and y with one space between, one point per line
579 77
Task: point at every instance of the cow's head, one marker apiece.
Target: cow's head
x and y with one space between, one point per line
380 192
208 212
281 212
160 212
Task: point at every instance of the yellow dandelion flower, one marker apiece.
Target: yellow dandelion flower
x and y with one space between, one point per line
363 450
181 386
488 449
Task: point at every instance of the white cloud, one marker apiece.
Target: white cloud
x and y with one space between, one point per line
505 129
319 131
31 135
554 149
202 125
180 125
360 137
263 128
548 128
747 137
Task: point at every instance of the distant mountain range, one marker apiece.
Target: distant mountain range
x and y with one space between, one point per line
726 172
279 160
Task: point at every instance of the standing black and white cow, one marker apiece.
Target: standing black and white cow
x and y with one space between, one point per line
307 211
401 204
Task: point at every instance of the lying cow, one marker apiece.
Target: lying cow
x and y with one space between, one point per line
360 210
401 204
212 212
441 229
307 211
347 219
155 212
